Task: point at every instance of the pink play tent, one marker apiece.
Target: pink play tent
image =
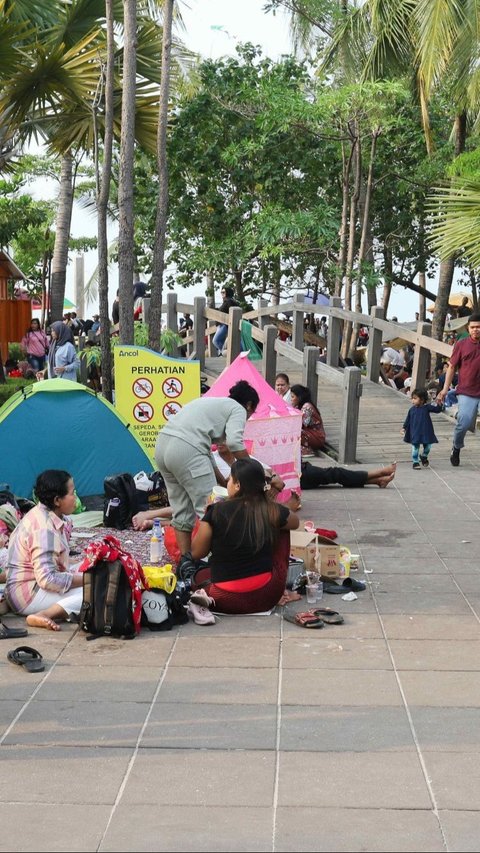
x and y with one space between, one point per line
272 434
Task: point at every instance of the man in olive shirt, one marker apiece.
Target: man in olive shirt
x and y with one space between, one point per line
465 359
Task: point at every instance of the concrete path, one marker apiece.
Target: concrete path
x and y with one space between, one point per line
258 735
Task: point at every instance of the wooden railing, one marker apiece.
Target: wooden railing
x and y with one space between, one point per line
198 344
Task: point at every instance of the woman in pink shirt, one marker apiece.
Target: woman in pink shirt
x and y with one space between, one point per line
35 344
40 583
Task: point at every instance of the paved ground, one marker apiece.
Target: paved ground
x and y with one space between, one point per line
257 735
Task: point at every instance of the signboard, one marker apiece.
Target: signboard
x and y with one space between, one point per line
150 388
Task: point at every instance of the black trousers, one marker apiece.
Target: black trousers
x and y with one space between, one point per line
313 477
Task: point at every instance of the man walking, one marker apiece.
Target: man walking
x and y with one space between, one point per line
465 359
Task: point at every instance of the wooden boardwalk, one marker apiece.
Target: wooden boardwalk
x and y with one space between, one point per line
382 413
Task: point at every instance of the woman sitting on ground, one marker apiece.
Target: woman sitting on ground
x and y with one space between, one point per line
313 433
248 542
40 583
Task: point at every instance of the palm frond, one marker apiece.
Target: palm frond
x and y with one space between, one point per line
390 38
439 23
455 216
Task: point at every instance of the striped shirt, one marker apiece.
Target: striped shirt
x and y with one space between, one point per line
38 552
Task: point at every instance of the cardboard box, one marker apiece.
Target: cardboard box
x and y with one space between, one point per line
317 557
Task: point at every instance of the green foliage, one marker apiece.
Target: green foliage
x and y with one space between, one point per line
16 352
169 339
91 355
249 187
11 386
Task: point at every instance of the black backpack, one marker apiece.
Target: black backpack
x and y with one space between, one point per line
120 501
107 601
157 497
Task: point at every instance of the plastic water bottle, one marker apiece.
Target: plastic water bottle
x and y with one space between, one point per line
156 542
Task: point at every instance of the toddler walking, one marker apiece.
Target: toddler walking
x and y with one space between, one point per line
418 428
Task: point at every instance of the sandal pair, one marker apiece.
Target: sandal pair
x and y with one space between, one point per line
314 618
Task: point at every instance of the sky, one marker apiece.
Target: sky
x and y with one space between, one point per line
213 29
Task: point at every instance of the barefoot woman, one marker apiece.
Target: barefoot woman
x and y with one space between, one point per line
40 584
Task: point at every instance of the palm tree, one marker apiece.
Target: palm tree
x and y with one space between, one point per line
102 197
126 182
155 321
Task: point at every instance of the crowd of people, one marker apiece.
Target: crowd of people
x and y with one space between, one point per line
234 553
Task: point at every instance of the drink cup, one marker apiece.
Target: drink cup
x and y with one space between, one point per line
354 561
312 591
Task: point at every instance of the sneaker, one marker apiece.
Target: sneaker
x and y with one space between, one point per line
186 568
416 465
200 615
200 597
455 457
424 461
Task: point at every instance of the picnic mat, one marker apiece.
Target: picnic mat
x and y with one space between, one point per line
136 542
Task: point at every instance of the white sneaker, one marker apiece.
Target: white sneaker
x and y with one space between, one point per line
200 597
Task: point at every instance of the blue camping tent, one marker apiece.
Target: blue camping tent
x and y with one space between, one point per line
62 424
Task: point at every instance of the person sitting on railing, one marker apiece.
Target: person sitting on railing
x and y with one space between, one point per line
220 335
313 433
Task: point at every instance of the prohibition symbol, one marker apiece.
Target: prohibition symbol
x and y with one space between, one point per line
172 387
143 412
142 388
170 409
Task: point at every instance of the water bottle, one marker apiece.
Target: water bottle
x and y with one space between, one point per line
156 543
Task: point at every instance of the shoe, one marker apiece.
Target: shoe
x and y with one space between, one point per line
11 633
200 615
29 658
186 568
455 457
424 461
200 597
307 619
416 465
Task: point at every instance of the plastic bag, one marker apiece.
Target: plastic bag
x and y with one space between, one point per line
170 541
161 577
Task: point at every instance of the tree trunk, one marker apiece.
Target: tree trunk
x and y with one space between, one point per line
238 275
47 259
473 284
422 307
210 290
126 175
347 328
365 217
158 266
277 281
103 194
447 266
387 282
342 253
62 235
